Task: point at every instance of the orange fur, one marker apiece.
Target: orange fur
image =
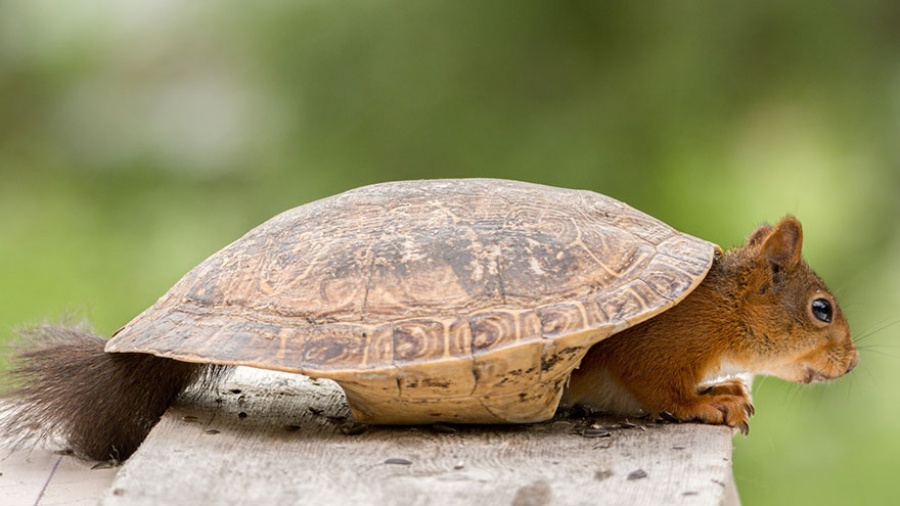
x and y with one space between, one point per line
753 313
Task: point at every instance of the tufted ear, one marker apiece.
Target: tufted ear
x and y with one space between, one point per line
781 247
758 235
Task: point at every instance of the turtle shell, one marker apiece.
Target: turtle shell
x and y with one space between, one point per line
440 300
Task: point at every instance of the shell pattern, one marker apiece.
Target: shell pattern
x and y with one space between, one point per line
440 300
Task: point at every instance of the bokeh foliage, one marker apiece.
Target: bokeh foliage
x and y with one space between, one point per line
136 138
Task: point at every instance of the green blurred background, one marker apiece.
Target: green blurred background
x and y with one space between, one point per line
138 137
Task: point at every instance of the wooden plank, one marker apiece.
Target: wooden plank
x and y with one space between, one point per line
271 438
41 477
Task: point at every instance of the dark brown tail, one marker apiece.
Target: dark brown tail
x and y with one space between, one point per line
63 385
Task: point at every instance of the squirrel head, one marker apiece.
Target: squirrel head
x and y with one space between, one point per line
793 326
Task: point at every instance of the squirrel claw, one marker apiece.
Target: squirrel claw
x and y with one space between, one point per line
669 417
727 403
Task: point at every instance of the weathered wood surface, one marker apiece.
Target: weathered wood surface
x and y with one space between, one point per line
39 476
271 438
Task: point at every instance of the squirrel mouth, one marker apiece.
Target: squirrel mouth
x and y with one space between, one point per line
814 376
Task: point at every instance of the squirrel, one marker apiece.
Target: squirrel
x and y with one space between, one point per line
760 309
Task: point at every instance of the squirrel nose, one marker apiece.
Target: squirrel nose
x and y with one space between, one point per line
853 361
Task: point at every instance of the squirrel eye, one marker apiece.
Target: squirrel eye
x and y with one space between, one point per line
821 309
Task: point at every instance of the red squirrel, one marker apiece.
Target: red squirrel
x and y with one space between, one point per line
760 309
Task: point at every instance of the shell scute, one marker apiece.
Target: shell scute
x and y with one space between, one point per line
691 255
665 276
499 329
572 317
513 369
627 302
435 380
424 341
333 347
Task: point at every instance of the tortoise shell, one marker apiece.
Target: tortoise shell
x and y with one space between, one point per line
440 300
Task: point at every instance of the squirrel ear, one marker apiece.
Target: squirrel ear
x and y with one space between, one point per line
756 238
781 246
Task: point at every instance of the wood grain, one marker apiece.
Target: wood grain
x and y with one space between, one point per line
38 476
273 438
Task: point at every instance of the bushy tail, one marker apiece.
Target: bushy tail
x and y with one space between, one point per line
62 385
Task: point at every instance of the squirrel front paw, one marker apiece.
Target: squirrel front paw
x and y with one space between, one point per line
725 403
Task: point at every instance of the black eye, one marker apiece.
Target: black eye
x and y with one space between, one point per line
822 310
